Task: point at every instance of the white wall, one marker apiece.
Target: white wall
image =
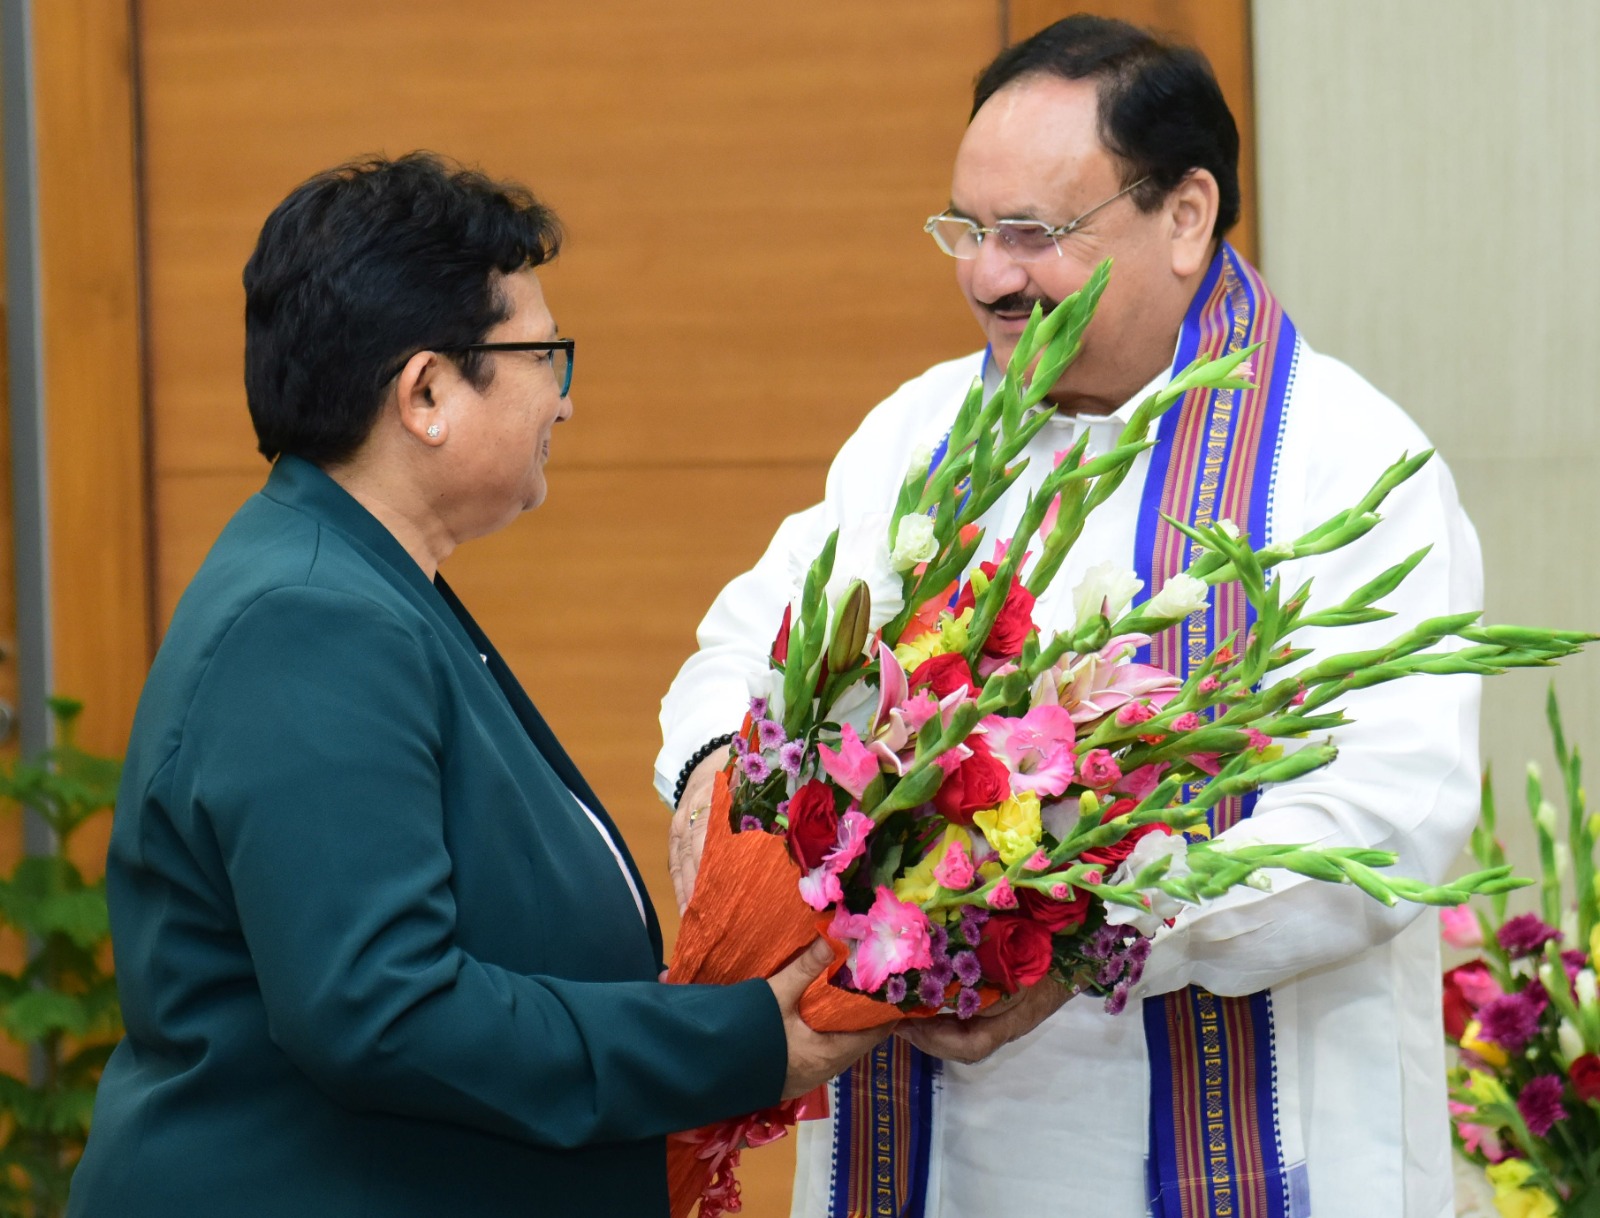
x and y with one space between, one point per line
1430 213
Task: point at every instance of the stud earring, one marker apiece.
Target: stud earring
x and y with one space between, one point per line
433 431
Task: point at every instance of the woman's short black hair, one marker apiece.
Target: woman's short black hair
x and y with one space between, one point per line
360 268
1162 113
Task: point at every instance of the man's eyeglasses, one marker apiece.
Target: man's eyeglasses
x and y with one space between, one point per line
1022 240
561 355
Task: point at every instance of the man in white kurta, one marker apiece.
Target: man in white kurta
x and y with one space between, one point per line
1057 1121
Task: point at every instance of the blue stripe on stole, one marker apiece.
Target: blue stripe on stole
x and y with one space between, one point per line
885 1127
1205 1015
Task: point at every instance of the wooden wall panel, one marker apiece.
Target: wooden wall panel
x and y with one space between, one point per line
94 419
744 188
1220 28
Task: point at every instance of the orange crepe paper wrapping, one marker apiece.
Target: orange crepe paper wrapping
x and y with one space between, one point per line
746 919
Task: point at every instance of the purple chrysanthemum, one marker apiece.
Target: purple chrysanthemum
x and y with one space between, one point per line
1540 1103
1117 999
751 824
740 746
938 940
1525 934
844 978
1111 970
894 990
1102 943
758 708
967 969
930 993
1139 950
972 920
1512 1020
755 767
942 972
769 733
967 1004
791 756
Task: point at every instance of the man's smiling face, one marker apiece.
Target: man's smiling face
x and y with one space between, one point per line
1033 152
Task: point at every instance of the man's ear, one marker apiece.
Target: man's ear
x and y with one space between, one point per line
1191 214
417 391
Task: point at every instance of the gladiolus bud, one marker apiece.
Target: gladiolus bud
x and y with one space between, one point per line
851 626
1091 635
1570 1041
1585 985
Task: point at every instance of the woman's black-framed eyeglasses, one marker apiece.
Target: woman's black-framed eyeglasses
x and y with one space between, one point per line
561 355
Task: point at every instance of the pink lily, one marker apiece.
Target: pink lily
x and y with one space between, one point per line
1037 748
852 766
1095 685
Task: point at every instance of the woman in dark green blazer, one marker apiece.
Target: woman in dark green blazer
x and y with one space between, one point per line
381 951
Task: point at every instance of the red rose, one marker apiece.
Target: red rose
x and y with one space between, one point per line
981 781
943 675
1011 624
1458 1011
1055 916
1109 856
1585 1075
813 824
1014 951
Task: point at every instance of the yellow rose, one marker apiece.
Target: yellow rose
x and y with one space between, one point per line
1487 1050
1013 828
1514 1197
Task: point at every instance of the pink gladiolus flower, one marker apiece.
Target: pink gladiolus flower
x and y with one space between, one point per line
1098 769
852 766
895 939
1060 891
1460 927
854 826
1092 877
1039 862
918 709
820 888
1140 782
1037 748
955 869
1187 723
1206 763
950 760
1002 895
1476 1138
1210 685
1258 740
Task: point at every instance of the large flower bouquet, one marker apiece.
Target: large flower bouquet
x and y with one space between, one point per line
1525 1089
965 804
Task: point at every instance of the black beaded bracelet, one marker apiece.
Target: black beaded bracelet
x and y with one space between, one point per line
700 754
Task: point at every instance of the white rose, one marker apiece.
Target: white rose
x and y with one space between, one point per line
1179 597
1105 588
863 553
914 543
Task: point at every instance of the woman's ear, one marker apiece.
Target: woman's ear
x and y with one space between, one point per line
416 391
1192 214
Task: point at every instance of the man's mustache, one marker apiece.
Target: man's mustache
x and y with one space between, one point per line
1019 302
